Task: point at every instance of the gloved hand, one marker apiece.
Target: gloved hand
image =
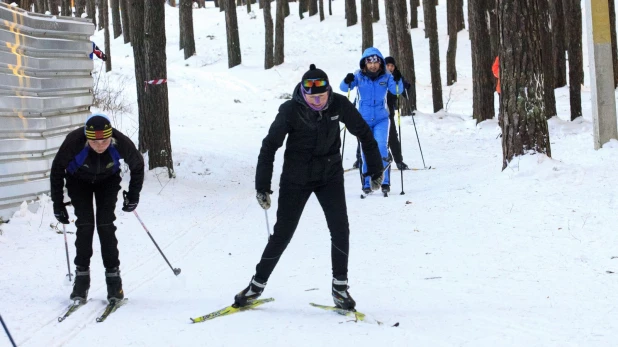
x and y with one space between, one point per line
396 75
130 203
263 198
349 78
376 181
61 214
103 57
406 85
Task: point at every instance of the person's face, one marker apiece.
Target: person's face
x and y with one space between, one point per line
373 67
100 146
317 100
390 67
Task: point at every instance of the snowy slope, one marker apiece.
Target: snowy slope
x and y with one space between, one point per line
469 256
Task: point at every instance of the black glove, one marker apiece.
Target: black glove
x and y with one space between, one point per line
406 85
263 198
103 56
61 214
349 78
396 75
130 203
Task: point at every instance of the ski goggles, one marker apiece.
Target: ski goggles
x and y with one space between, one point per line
372 59
318 82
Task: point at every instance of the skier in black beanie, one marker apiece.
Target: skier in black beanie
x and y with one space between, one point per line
312 164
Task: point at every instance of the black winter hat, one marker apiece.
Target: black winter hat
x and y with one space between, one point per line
389 60
314 74
98 127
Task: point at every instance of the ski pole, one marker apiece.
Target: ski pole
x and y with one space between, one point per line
7 332
66 247
267 225
419 140
400 145
344 129
176 270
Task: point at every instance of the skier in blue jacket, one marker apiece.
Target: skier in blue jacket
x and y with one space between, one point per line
374 82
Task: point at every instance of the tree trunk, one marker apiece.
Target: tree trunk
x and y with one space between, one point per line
321 8
391 29
367 24
460 15
66 9
330 7
39 6
115 4
313 7
139 61
350 12
279 33
217 3
286 8
414 13
612 25
181 28
451 53
547 58
223 4
233 41
522 105
91 10
482 59
249 6
302 7
108 49
405 55
126 25
573 15
53 7
431 29
188 38
375 10
80 7
494 26
558 43
268 26
101 15
157 138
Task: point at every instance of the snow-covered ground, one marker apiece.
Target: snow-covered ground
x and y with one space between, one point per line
469 256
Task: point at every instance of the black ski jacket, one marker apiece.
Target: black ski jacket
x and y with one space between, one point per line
391 99
313 149
75 158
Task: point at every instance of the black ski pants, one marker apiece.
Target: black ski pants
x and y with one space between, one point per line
105 194
292 200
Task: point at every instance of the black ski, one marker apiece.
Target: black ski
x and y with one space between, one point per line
111 308
72 308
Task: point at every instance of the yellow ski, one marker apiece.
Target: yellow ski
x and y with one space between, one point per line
358 316
230 310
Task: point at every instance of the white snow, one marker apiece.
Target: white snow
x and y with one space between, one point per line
469 256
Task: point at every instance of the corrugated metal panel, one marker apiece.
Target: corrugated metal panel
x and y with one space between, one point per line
45 92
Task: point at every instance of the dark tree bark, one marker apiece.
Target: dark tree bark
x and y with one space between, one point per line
558 43
330 7
286 8
217 3
139 61
101 15
451 53
80 7
460 15
157 137
547 58
66 9
222 5
405 56
268 26
494 26
391 29
187 37
375 10
367 24
431 28
248 6
126 25
302 7
115 4
39 6
201 3
482 60
108 50
313 7
321 8
350 12
91 10
233 40
522 105
612 25
573 15
52 6
181 28
414 13
279 33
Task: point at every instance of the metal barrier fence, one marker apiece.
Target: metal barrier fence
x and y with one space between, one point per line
45 92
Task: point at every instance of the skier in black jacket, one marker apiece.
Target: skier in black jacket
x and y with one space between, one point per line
312 164
391 101
88 160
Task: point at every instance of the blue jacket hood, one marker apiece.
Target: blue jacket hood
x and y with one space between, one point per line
369 52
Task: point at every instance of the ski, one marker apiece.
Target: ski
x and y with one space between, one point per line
395 169
111 308
230 310
358 316
72 308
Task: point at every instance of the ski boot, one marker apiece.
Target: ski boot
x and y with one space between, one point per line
367 191
386 188
81 284
341 297
402 166
252 292
114 285
356 164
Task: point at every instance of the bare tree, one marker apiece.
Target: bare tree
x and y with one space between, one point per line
350 12
268 26
573 15
91 10
330 7
391 29
397 16
139 61
104 7
375 11
53 5
414 4
482 78
157 131
431 28
39 6
286 8
66 9
522 105
612 25
115 4
367 24
233 41
321 8
451 53
186 27
279 33
101 15
460 15
494 27
126 25
547 58
80 7
558 43
313 7
302 7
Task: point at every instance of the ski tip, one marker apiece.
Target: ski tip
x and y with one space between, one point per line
396 324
